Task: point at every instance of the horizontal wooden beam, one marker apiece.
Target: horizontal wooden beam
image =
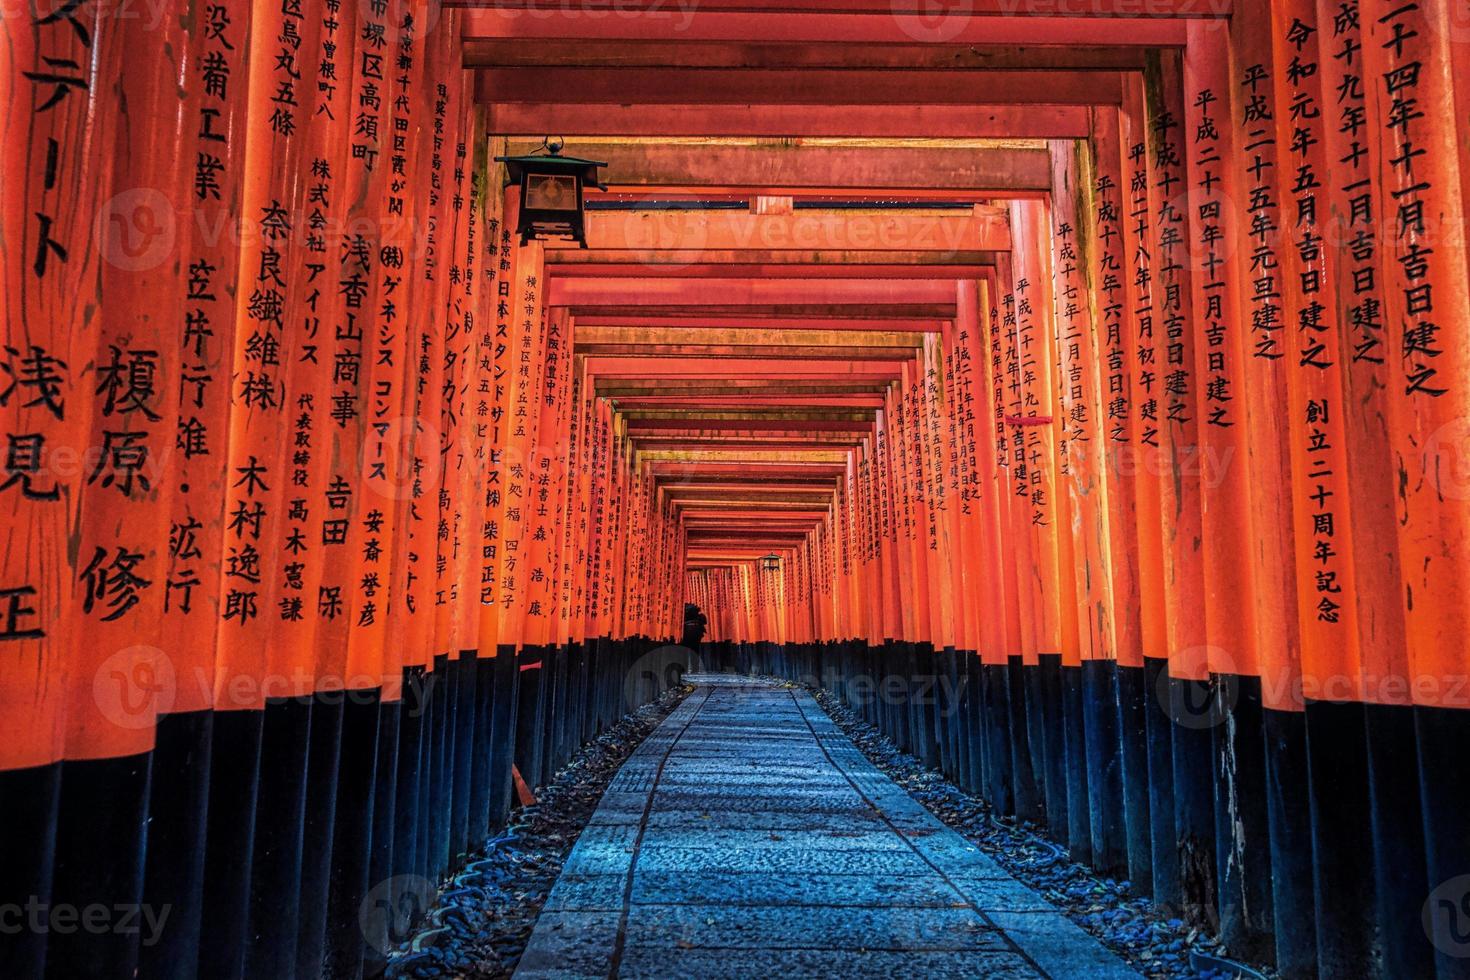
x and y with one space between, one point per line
715 469
651 291
717 509
1038 22
735 401
736 367
772 54
781 265
618 388
754 491
697 417
786 121
751 456
957 173
709 426
814 86
655 335
762 323
754 445
684 12
802 352
682 234
854 312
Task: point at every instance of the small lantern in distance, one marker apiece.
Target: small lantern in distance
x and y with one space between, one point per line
551 192
771 563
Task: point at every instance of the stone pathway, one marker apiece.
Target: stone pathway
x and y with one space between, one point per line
748 837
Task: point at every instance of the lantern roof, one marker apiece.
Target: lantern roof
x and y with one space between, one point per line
552 162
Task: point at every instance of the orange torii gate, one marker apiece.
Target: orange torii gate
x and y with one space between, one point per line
1137 431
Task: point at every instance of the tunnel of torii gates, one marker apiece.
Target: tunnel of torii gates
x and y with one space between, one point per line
1104 371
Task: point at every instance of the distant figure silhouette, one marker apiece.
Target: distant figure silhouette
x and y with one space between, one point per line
694 623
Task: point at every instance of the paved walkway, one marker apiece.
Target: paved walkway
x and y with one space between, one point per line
748 837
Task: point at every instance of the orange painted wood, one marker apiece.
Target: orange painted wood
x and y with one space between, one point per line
1105 202
821 28
1325 578
1427 304
215 106
1218 278
1272 553
253 663
679 119
1141 336
1353 209
121 668
1081 476
1177 387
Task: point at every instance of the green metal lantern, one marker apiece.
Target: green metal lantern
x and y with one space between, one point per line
551 193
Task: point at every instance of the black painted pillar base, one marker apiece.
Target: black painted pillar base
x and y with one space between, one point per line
1074 761
465 734
31 799
1342 842
481 779
531 715
1133 704
440 764
353 838
1288 815
1241 821
1029 802
178 813
317 833
1044 700
1104 768
1443 735
100 840
229 850
1160 740
1195 711
405 892
280 809
375 929
503 728
995 685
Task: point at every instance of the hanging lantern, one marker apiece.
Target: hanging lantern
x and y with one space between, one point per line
551 192
771 563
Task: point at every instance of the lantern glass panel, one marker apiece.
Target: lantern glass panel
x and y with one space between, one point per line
549 192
